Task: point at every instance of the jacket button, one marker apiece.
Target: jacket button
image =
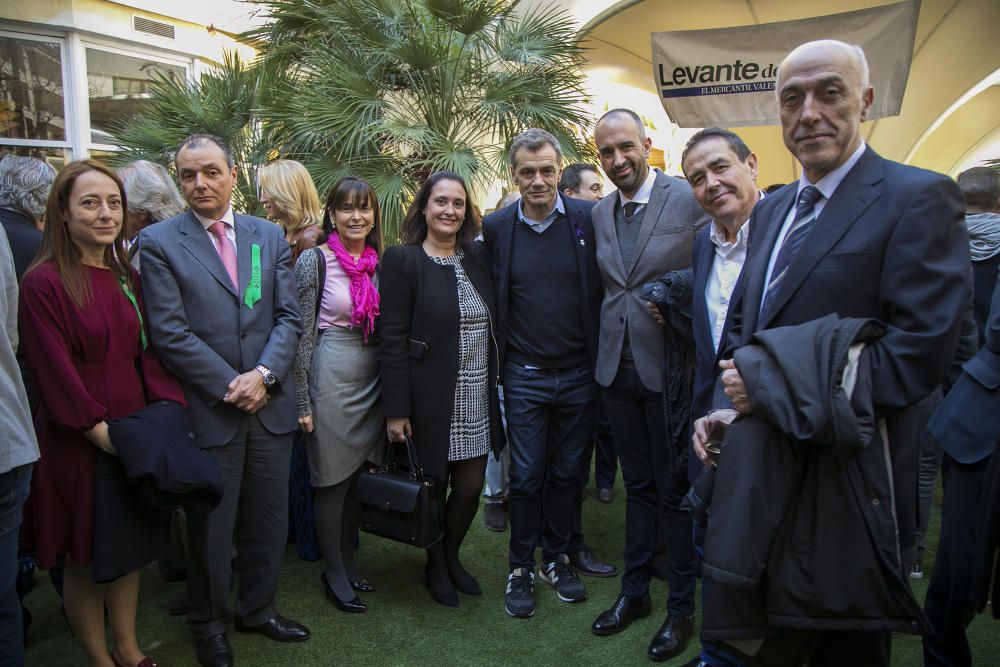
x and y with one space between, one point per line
628 290
621 320
875 502
243 336
191 435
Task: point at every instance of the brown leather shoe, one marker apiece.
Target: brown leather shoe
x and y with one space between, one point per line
494 517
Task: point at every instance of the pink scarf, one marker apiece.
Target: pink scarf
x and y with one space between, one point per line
364 296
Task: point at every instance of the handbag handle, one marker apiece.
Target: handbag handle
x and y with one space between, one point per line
411 456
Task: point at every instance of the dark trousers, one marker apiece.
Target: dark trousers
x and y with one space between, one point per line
948 604
711 655
636 416
605 467
550 419
14 487
255 466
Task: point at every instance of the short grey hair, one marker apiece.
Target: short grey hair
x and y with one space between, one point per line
534 139
25 183
150 189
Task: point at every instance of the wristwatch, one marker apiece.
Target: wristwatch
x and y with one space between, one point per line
270 379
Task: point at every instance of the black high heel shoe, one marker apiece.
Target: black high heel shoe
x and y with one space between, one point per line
355 606
363 586
448 598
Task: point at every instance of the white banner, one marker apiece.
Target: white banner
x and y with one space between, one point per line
726 76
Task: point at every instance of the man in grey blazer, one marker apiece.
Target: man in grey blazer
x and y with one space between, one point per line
643 231
18 452
224 318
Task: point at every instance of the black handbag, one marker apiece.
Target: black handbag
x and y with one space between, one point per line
401 504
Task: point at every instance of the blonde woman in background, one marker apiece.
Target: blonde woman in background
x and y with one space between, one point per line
288 194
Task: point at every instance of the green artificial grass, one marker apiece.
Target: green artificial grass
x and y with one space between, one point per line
405 627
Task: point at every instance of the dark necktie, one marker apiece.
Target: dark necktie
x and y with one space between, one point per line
630 208
803 222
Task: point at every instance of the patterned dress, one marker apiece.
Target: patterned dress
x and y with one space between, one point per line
469 432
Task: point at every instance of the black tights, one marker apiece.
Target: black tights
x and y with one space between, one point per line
444 569
338 514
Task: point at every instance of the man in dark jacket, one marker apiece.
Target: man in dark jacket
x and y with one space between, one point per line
24 191
862 237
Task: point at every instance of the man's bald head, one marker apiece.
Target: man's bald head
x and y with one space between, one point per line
823 96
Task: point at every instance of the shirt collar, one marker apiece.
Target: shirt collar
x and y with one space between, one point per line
718 237
228 218
558 209
829 183
643 193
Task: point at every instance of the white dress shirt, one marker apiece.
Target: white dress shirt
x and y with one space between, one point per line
727 263
827 186
230 221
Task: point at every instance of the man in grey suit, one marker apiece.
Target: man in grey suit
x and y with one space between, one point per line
18 452
642 232
224 318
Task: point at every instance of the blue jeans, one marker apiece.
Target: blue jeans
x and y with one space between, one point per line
550 420
710 654
14 487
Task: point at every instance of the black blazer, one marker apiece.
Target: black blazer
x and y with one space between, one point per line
419 326
966 423
706 359
889 245
498 234
22 235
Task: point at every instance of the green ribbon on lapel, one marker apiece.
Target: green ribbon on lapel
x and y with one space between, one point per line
135 304
252 295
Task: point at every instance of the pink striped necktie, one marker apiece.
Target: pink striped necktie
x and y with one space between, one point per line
227 253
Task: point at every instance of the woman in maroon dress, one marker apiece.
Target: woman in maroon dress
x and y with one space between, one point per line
82 334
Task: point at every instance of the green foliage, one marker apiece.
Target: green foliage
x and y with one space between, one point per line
394 90
224 102
389 90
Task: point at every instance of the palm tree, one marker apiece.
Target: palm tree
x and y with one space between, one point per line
394 90
224 102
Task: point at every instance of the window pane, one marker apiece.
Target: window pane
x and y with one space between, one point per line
31 90
117 86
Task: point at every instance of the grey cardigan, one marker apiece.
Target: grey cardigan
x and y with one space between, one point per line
18 445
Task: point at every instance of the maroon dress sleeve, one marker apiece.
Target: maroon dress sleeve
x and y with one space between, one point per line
45 343
159 385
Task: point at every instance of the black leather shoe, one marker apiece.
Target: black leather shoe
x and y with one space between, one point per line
586 563
695 662
214 651
352 606
279 628
363 586
672 637
624 611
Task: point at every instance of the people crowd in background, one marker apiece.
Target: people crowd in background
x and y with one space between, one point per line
672 326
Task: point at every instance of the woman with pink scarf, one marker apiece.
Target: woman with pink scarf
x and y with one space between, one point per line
337 375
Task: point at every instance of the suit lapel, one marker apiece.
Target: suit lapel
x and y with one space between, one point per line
851 199
606 214
246 236
699 307
195 239
657 201
762 239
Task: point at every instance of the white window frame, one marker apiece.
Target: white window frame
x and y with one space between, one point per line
84 43
68 93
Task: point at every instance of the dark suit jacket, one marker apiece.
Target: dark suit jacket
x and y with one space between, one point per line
888 245
498 234
22 235
419 325
203 331
966 424
706 359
